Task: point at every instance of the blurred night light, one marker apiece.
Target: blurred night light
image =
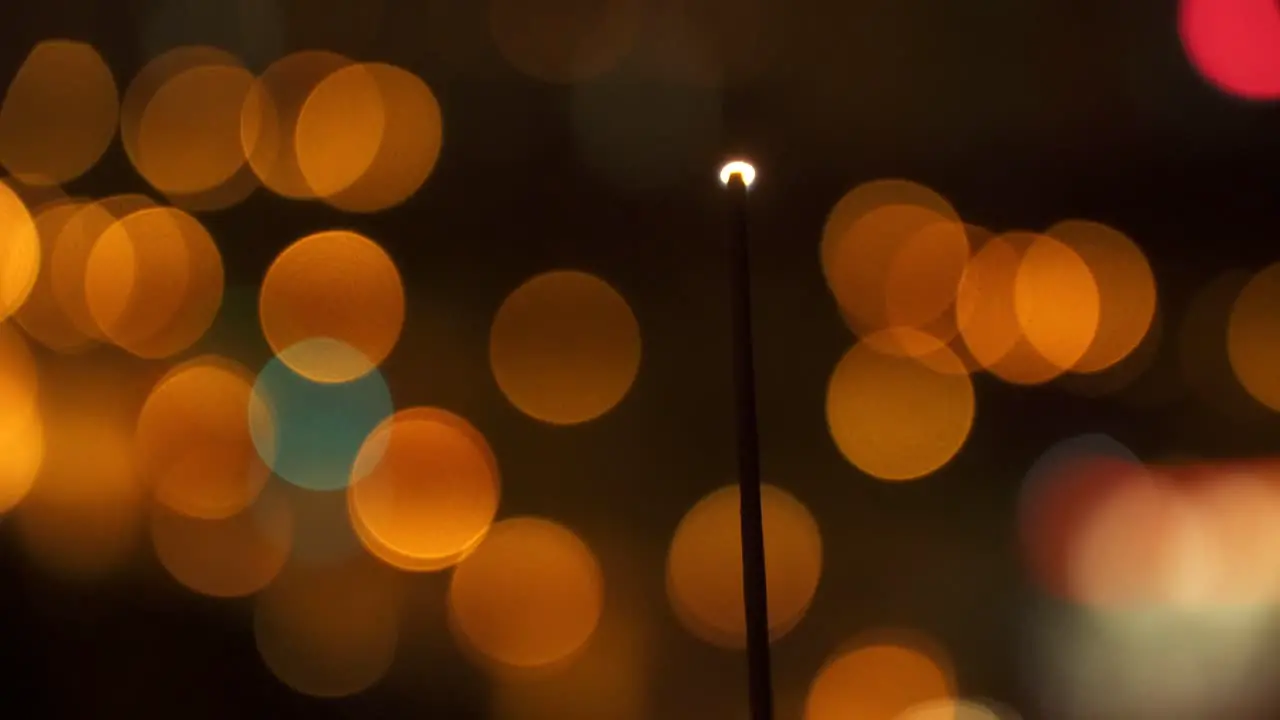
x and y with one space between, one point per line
193 439
1126 290
1060 490
21 427
957 710
59 113
612 678
182 126
879 677
20 245
69 260
320 523
1101 529
188 133
235 556
738 167
313 431
1215 370
1236 509
68 230
530 595
430 490
899 418
897 266
565 347
153 282
1153 663
40 314
1235 44
332 306
368 136
83 517
893 255
330 631
1253 337
704 567
1030 306
269 119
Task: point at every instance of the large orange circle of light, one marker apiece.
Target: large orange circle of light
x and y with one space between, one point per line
69 259
154 282
81 519
1126 290
332 286
1253 337
897 266
19 381
429 491
879 679
869 196
19 252
21 456
329 631
59 113
529 596
897 418
892 252
193 439
565 347
21 427
368 137
189 137
269 118
339 130
229 557
41 315
1028 307
1056 300
149 81
923 280
704 565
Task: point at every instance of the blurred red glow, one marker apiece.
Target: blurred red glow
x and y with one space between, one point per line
1103 530
1235 44
1238 505
1063 492
1139 547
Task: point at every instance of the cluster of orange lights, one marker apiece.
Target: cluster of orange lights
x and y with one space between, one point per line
934 299
217 462
202 455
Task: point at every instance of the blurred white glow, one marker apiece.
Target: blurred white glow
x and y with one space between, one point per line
1154 663
738 167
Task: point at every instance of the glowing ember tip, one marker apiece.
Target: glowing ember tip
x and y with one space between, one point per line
738 167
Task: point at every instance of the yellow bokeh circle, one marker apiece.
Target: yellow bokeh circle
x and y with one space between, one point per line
336 286
704 565
898 418
565 347
1253 337
529 596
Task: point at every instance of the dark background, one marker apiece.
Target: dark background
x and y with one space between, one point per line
1021 113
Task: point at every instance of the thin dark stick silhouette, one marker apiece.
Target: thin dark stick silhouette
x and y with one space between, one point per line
754 588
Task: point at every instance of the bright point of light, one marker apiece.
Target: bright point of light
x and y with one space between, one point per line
738 167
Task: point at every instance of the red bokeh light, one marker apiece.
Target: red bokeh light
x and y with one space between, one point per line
1235 44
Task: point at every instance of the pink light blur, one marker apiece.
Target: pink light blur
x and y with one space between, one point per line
1234 44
